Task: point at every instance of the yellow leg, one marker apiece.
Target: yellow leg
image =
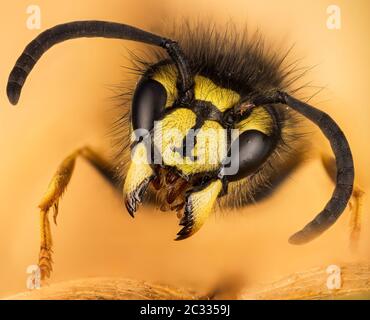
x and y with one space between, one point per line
355 203
54 192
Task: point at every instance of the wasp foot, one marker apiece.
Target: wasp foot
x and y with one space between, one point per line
55 190
45 254
355 206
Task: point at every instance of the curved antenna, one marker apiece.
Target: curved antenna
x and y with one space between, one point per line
343 159
78 29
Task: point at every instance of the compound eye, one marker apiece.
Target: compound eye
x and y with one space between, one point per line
148 104
254 148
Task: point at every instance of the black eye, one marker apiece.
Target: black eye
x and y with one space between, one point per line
254 148
148 104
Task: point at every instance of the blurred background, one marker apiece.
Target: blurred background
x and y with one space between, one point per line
66 104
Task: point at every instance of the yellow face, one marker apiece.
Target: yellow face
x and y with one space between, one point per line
211 139
182 163
207 153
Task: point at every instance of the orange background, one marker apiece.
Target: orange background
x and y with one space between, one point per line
65 104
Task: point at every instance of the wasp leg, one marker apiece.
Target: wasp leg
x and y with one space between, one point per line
51 198
355 203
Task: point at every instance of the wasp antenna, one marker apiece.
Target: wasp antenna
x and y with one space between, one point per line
343 158
80 29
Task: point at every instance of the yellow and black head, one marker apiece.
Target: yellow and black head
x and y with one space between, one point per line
190 151
210 123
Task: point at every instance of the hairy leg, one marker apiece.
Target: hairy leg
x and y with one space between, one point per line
54 192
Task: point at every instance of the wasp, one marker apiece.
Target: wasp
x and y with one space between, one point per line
212 123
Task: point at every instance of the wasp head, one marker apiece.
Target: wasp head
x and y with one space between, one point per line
190 151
